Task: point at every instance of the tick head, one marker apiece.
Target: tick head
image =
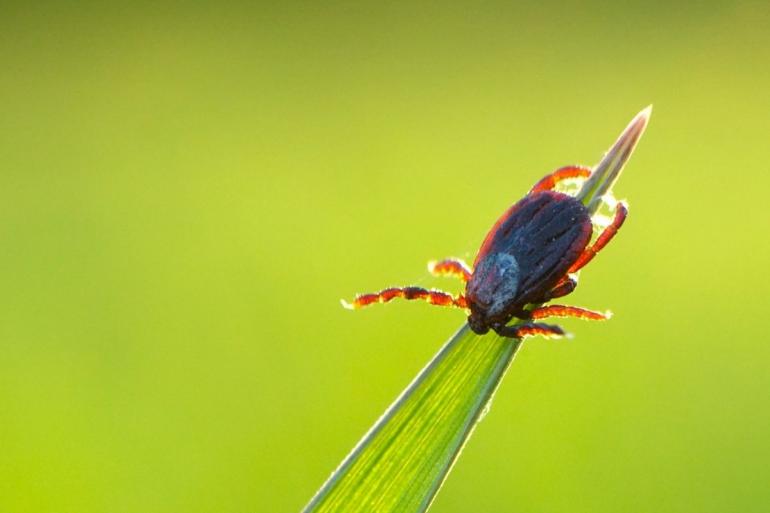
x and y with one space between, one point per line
477 322
491 291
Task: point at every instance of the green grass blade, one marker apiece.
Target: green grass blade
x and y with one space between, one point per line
400 464
402 461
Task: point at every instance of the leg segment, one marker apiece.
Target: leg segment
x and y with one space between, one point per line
531 329
548 182
567 311
434 297
450 267
564 287
621 211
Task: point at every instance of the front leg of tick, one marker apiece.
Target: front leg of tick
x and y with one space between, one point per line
452 267
530 329
576 312
434 297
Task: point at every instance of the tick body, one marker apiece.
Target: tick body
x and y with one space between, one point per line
529 257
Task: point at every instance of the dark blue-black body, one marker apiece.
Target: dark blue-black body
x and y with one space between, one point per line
525 255
529 257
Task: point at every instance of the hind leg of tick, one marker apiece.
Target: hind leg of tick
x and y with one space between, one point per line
621 212
548 182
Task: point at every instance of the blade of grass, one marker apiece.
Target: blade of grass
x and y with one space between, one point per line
608 170
413 444
401 463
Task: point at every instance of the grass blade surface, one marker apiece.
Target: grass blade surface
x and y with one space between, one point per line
402 461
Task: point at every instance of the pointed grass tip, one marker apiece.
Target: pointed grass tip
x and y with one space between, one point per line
607 171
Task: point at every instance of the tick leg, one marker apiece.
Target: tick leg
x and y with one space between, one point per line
567 311
434 297
621 211
564 287
531 329
548 182
450 267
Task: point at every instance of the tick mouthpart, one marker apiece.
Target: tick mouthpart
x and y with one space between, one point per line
477 324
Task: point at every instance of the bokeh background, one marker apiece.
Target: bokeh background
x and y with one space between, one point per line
187 190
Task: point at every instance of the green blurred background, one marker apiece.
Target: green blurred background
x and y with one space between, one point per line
187 190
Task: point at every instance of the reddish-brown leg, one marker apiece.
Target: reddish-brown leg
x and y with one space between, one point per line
531 329
434 297
450 267
548 182
567 311
621 211
564 287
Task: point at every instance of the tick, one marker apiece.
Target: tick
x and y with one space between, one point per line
529 257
